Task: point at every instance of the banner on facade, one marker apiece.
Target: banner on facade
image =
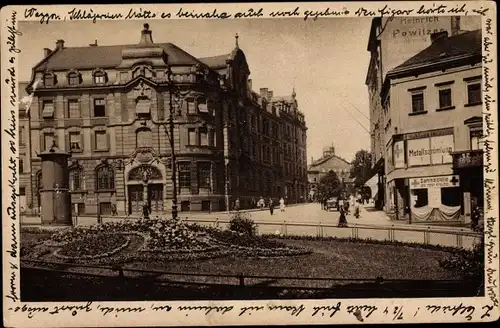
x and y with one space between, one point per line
399 154
446 181
430 151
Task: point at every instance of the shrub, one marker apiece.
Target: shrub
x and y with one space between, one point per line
242 223
468 264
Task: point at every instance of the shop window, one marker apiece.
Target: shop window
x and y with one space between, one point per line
417 102
451 196
445 98
474 93
420 197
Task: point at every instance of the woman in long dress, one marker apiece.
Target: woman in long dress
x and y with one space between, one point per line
342 218
282 204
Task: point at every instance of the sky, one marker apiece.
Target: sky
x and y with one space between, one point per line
325 60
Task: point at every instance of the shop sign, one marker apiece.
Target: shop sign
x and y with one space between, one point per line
435 182
468 159
435 150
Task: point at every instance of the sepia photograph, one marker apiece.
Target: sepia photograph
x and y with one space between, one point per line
250 159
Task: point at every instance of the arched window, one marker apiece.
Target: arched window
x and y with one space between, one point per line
76 180
73 78
99 76
144 138
105 178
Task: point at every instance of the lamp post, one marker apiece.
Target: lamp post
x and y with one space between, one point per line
170 134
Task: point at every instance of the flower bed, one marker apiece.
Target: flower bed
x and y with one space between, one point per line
94 246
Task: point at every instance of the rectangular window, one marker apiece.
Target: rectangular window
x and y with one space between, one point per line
75 141
105 208
73 108
99 79
203 137
48 80
22 191
445 98
474 93
476 142
212 137
48 140
204 175
21 136
191 108
101 140
184 176
417 102
21 166
192 137
48 109
202 105
99 107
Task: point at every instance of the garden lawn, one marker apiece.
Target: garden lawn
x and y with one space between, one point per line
330 259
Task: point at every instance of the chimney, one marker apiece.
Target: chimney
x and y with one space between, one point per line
455 25
263 92
60 44
438 35
46 52
146 35
249 84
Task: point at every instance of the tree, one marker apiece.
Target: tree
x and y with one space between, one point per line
361 167
329 186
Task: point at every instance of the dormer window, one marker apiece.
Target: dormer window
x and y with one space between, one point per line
73 78
49 79
99 77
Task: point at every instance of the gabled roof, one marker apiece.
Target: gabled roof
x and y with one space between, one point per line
446 48
216 62
331 162
108 56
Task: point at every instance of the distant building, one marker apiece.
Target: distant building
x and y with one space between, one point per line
320 167
109 106
391 42
433 112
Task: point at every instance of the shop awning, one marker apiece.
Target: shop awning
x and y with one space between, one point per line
377 168
420 171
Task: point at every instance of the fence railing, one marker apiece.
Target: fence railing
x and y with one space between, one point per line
428 235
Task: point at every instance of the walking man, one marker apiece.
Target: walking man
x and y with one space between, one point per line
271 206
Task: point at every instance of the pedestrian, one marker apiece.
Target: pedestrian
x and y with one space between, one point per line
114 212
342 218
261 203
282 204
356 209
346 206
271 206
145 211
237 204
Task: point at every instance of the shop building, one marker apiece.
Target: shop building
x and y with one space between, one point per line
433 108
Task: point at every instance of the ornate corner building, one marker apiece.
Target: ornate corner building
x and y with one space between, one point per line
109 107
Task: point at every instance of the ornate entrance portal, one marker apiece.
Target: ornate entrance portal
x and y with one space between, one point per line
145 187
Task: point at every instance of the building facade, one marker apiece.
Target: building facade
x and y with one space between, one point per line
433 105
109 106
390 43
320 167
